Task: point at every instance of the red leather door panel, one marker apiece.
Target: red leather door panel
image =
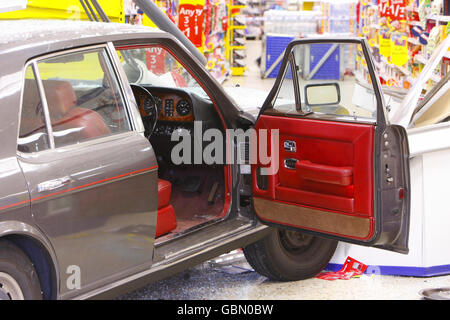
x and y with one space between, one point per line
333 173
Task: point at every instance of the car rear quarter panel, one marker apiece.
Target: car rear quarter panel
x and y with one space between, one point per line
14 197
15 212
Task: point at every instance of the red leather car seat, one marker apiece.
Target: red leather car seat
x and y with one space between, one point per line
167 220
64 114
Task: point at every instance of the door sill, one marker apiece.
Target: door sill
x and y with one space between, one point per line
182 246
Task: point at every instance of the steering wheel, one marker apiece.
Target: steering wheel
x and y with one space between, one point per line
150 107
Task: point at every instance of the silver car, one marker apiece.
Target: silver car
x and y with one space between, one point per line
96 198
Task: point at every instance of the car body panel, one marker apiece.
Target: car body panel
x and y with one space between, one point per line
85 217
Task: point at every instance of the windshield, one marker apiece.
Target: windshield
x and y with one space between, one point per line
155 66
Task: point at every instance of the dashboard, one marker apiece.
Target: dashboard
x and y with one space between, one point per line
177 109
171 106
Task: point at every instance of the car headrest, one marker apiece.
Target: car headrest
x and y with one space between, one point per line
61 97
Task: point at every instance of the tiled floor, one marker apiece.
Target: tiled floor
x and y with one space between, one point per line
212 281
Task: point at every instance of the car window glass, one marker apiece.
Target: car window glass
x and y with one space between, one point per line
33 136
155 66
333 79
285 100
83 97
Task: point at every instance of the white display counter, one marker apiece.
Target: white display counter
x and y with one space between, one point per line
429 238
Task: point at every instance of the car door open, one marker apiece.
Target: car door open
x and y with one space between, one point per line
338 168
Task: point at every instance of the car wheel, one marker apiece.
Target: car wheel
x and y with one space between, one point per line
18 278
287 255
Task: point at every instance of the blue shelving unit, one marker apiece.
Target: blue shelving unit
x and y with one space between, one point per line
275 46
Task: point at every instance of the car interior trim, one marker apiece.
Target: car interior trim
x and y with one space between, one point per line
227 170
275 211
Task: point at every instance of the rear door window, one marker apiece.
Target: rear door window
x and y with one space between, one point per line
81 100
33 135
83 97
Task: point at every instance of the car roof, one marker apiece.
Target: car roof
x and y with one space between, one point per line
25 33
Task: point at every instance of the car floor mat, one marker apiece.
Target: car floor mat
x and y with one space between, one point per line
192 184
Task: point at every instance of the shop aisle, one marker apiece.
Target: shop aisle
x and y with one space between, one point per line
252 76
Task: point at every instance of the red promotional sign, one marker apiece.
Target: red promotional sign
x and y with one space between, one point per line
190 22
155 58
398 9
383 8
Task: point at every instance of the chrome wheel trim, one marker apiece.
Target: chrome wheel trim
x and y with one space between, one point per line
9 288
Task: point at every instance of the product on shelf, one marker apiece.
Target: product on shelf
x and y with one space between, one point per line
216 25
253 12
236 37
403 34
299 23
339 17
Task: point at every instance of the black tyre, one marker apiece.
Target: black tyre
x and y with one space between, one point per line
290 255
18 278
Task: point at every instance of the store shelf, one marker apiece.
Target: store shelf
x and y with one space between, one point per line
401 69
236 22
420 58
440 18
414 23
414 41
411 9
435 78
238 27
238 71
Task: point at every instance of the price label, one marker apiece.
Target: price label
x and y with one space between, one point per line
155 59
383 8
190 22
397 9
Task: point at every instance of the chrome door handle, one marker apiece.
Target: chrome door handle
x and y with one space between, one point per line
290 163
54 184
290 146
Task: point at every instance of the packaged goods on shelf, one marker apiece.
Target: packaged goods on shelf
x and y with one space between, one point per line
215 31
403 34
338 16
235 40
291 22
254 11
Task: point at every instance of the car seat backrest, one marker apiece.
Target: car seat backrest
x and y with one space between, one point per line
60 96
76 123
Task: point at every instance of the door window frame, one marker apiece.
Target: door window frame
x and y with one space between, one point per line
116 72
381 120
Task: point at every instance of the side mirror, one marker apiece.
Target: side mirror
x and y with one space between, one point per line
322 94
